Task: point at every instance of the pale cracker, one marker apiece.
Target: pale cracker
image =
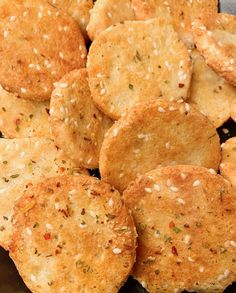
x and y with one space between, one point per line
73 234
136 65
185 219
23 161
77 126
157 133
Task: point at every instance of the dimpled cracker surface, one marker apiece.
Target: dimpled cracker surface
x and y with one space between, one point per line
23 118
183 13
157 133
228 163
136 65
80 228
108 12
217 46
78 9
23 161
233 110
210 93
78 127
38 45
185 219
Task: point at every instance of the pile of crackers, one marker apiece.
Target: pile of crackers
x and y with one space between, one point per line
136 89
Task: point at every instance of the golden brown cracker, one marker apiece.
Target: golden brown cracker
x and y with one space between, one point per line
185 219
136 65
228 163
106 13
22 162
20 118
78 9
157 133
217 46
39 44
210 93
80 228
78 127
233 110
183 13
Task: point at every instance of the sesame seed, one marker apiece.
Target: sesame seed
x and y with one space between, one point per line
35 51
232 243
83 56
183 176
82 225
103 91
28 231
2 191
61 55
180 201
23 90
109 14
116 250
224 275
115 132
5 34
32 278
212 171
157 187
161 110
40 14
196 183
110 202
168 182
148 190
49 226
12 18
73 191
190 259
187 239
201 269
167 145
174 189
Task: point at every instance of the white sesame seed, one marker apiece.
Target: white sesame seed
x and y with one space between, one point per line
103 91
183 176
28 231
212 171
48 226
32 278
201 269
116 250
190 259
168 182
232 243
224 275
157 187
115 132
82 225
40 14
180 201
23 90
2 191
174 189
73 191
148 190
187 239
167 145
196 183
110 202
161 110
5 34
61 55
12 18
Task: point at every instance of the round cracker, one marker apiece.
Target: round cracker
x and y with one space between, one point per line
21 118
80 228
228 163
136 66
185 219
77 9
183 13
233 110
106 13
22 162
210 93
217 46
39 44
157 133
76 120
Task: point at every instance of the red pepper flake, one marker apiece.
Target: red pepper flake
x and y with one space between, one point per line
18 121
181 85
174 250
47 236
171 224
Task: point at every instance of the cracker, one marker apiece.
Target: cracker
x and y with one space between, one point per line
210 93
137 66
23 118
228 163
78 127
39 44
183 13
233 110
78 9
157 133
185 219
23 161
81 229
217 46
106 13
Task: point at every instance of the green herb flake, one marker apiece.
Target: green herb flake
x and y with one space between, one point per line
167 238
15 176
17 128
177 230
36 225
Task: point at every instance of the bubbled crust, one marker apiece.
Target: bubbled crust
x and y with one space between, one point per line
80 228
185 219
38 45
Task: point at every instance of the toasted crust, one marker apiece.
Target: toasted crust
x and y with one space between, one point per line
20 118
185 219
157 133
81 229
233 110
35 56
134 53
228 163
24 161
217 46
78 9
210 93
183 13
76 121
106 13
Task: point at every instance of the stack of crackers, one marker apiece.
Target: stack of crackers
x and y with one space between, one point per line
136 89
